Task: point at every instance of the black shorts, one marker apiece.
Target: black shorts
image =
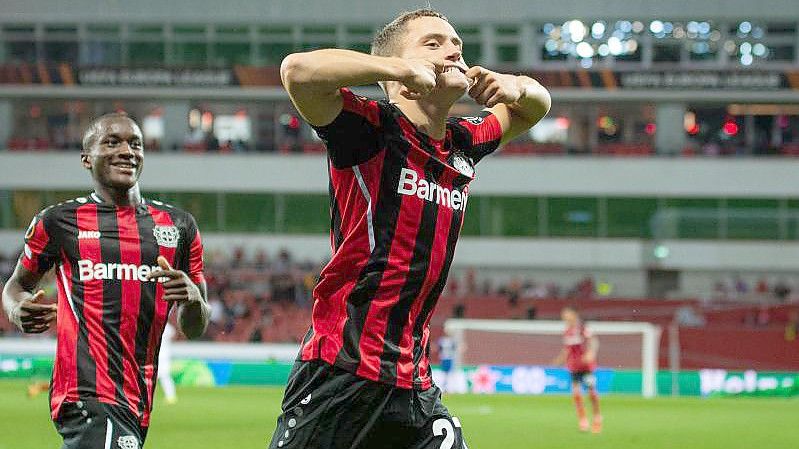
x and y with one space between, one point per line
326 407
96 425
586 378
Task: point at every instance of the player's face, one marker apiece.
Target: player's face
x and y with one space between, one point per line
432 38
117 157
569 317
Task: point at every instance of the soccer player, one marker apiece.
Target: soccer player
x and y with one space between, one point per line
165 365
447 350
399 174
579 352
114 254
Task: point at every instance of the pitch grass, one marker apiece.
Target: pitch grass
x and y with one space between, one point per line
239 418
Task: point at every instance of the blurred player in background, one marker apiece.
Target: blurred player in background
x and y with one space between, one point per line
114 253
447 350
579 352
399 173
165 365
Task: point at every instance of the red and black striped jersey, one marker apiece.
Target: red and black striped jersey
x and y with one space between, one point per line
397 200
576 339
110 317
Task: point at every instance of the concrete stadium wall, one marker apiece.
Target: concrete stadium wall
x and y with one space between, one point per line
360 11
573 176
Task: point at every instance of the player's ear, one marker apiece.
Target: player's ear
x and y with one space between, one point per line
85 160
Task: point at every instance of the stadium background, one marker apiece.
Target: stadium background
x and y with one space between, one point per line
660 188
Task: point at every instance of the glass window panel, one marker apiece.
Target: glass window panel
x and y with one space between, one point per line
547 55
361 47
228 54
700 218
573 217
232 30
98 28
781 52
360 30
275 30
518 215
306 214
307 46
274 53
319 29
147 29
25 205
471 221
508 53
61 29
666 52
753 219
61 51
202 205
507 30
192 30
21 51
629 217
472 53
190 53
249 212
146 53
102 53
22 29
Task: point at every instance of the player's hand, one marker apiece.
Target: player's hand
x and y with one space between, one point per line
588 358
32 317
491 88
421 78
177 286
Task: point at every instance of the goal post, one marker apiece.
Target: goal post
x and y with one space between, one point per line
536 342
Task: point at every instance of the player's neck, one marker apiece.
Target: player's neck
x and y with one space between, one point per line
118 197
429 117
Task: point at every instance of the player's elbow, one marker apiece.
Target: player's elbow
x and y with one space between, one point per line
296 70
539 105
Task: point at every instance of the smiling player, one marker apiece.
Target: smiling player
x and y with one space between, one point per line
114 252
399 173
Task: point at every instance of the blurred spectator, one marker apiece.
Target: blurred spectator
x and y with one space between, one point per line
762 286
688 316
782 290
741 287
792 326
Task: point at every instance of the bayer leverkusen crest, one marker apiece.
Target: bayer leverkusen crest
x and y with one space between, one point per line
463 165
166 236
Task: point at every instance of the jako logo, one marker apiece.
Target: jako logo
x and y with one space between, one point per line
88 271
410 184
88 235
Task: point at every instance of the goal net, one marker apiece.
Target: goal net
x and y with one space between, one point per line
622 345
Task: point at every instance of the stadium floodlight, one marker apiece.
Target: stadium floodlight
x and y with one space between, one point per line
530 342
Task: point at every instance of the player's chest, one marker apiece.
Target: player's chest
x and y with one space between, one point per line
116 238
430 174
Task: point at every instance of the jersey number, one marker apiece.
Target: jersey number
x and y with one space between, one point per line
444 427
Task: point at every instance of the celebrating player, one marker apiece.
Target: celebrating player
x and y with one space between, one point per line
114 253
399 174
579 352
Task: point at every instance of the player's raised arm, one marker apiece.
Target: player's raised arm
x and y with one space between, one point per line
313 79
21 305
518 102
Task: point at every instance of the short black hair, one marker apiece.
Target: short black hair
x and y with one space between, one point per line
385 41
90 135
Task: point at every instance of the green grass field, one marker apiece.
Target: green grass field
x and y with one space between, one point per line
240 418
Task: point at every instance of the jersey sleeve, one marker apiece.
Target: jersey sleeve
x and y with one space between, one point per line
195 253
41 248
477 136
353 137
